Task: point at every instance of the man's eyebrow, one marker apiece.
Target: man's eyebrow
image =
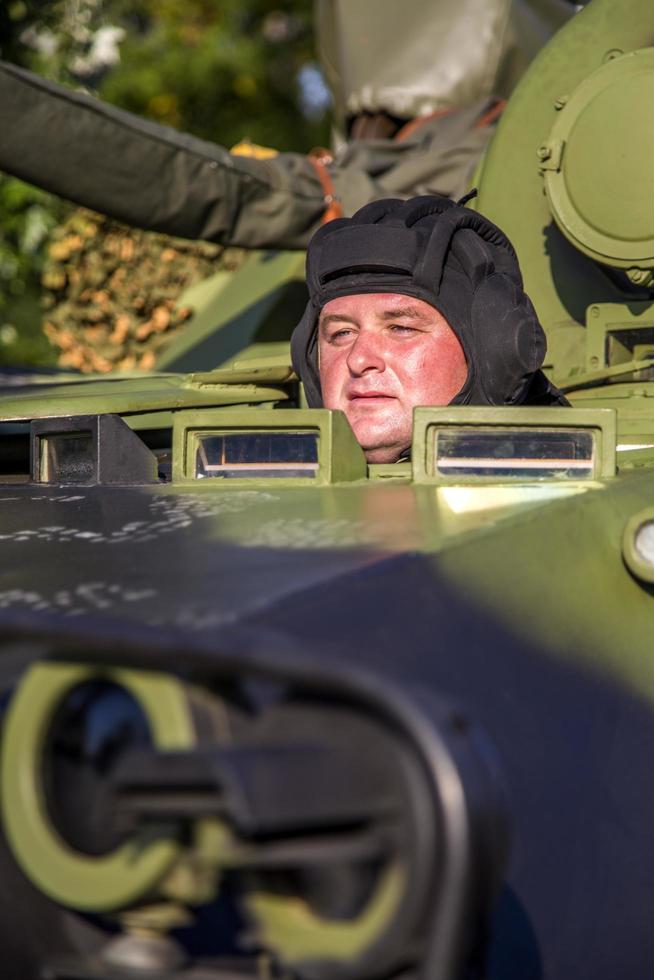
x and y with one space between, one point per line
401 312
335 318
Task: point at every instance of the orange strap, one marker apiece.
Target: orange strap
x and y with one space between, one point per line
321 158
414 124
491 114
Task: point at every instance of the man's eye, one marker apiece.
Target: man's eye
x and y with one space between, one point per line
340 336
402 328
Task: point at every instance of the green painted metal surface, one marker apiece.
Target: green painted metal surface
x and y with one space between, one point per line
246 315
561 280
134 396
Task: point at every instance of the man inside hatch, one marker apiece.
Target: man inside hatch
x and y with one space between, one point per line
416 302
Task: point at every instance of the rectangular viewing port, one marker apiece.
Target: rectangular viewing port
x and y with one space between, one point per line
67 457
251 455
89 450
487 444
291 446
523 454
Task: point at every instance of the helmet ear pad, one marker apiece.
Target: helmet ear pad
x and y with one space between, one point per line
504 339
510 342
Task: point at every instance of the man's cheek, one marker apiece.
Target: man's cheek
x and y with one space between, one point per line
375 427
330 393
332 381
326 380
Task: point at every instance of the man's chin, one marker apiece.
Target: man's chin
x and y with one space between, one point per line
381 447
383 454
382 439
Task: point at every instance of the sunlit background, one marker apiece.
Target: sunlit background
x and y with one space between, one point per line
223 70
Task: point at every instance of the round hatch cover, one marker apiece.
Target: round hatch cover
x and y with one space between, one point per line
597 163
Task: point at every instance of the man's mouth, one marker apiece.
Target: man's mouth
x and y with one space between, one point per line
368 396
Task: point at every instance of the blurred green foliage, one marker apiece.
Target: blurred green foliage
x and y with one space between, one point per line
223 70
26 217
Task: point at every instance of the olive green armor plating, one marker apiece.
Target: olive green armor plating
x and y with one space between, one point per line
577 199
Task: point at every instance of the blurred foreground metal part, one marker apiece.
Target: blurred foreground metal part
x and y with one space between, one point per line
363 829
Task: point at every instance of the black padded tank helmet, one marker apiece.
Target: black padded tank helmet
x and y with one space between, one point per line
451 257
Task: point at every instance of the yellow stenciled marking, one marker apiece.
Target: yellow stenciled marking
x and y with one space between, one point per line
88 883
291 928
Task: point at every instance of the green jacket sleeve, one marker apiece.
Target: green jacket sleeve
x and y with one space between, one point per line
150 176
158 179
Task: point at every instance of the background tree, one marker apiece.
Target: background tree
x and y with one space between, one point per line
223 70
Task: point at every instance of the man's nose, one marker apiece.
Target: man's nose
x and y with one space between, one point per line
365 354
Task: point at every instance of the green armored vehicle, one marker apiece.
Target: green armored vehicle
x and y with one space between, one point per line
272 709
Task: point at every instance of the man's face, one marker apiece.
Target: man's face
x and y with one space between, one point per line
381 355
